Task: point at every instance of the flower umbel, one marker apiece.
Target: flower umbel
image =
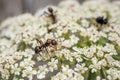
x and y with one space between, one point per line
70 41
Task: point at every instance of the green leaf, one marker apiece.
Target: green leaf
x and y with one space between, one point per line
116 57
11 77
66 35
21 46
102 41
86 61
86 75
108 14
91 76
84 42
103 73
79 22
117 49
72 63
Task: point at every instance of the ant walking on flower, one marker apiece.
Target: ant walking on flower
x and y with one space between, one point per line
51 11
51 14
43 46
48 43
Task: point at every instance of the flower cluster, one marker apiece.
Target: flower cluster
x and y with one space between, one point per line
85 50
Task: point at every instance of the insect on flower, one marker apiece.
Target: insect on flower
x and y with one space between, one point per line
48 43
51 14
101 21
51 11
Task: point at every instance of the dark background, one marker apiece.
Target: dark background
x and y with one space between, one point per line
9 8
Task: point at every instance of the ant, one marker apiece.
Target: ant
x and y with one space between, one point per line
48 43
51 14
101 21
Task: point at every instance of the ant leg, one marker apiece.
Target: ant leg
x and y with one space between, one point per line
48 14
55 47
39 41
47 52
40 56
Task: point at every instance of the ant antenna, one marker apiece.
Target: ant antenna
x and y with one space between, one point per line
39 41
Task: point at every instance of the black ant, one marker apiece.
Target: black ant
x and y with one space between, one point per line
48 43
52 14
101 21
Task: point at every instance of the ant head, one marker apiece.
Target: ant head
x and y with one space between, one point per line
37 49
53 42
50 9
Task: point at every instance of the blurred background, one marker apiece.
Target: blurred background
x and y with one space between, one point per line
9 8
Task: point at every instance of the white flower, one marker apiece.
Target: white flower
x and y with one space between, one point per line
89 52
74 39
41 75
42 71
67 74
28 72
53 64
15 69
102 62
113 73
98 78
26 63
109 48
100 53
85 23
111 61
81 68
94 65
5 74
67 43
